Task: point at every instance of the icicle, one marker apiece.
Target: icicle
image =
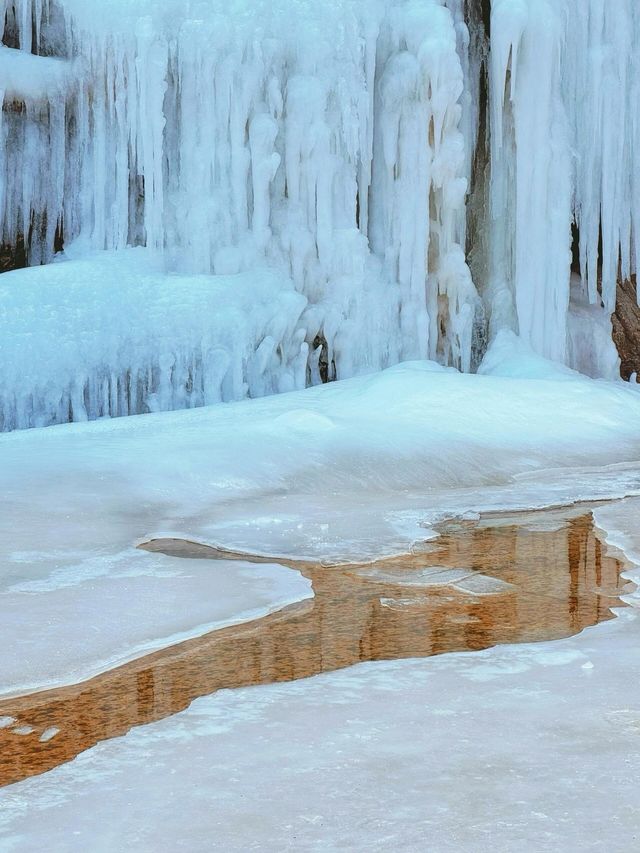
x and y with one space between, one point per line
565 146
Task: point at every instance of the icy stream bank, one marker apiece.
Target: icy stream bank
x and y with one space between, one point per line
512 748
520 577
350 471
353 470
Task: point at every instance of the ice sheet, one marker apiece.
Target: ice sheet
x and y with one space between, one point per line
102 612
515 748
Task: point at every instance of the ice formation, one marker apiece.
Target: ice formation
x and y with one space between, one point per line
341 148
116 336
564 90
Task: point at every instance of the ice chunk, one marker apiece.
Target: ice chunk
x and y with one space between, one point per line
478 584
431 576
48 734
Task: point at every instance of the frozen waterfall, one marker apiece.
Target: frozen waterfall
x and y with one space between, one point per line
565 94
344 184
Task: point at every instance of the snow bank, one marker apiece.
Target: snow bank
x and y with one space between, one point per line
112 335
345 472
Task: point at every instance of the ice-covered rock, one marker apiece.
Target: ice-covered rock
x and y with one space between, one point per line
110 334
323 140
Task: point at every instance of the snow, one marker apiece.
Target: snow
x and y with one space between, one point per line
26 77
341 473
513 748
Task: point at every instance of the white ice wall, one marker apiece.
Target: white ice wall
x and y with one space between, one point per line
321 139
110 334
333 143
566 146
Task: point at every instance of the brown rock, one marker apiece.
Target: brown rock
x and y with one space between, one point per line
12 257
626 328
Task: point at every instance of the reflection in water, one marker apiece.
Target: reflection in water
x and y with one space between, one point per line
521 582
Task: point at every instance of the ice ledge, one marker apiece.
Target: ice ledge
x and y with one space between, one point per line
25 77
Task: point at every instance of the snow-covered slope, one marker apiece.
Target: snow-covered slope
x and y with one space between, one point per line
347 471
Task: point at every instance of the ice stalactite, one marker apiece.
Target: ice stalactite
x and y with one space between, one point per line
419 184
565 96
33 130
531 170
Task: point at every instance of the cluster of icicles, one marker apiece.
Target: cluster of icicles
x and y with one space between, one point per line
334 143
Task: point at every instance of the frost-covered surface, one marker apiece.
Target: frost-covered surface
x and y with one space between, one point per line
344 472
110 335
512 749
24 76
565 147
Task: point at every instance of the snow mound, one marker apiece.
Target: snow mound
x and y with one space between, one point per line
347 472
111 335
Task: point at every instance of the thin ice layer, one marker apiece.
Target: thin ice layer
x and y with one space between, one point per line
514 748
103 609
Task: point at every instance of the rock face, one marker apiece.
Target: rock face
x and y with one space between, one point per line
12 257
626 328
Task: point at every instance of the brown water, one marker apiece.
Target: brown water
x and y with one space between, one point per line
539 586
